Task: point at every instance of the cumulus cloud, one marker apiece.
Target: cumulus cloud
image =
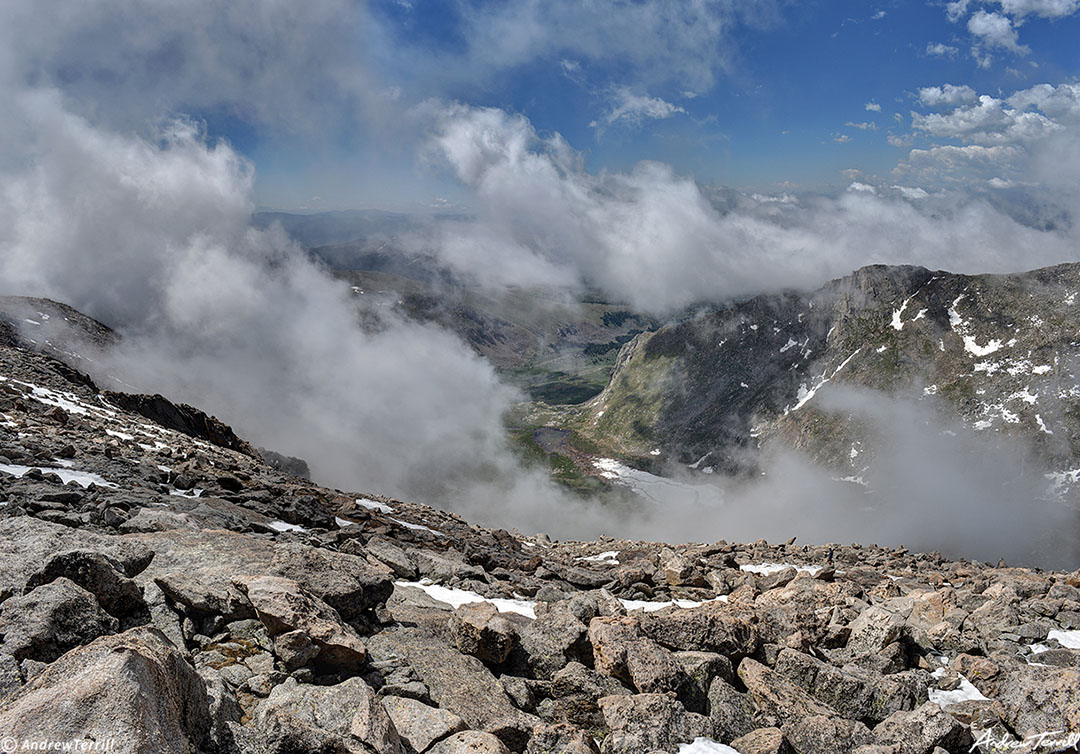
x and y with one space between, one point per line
989 121
946 94
1061 102
996 31
650 237
956 10
872 107
863 126
1041 8
941 50
631 108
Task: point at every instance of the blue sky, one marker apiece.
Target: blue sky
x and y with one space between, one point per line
764 102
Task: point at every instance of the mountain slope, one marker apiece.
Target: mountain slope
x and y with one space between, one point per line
997 351
178 596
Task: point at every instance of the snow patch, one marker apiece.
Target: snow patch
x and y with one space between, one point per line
766 568
706 746
897 324
458 597
965 692
650 607
191 495
1068 639
283 526
81 478
656 489
373 505
605 557
804 395
416 527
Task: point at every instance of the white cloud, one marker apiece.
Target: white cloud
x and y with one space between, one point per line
864 126
956 10
686 44
1061 102
946 94
878 16
630 108
996 30
872 107
651 237
1042 8
152 236
841 138
941 49
990 121
285 65
949 163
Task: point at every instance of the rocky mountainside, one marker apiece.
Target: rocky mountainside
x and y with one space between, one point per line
996 352
162 593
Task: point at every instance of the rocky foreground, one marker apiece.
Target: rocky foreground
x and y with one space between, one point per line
172 591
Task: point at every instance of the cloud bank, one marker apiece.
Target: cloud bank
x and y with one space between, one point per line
652 238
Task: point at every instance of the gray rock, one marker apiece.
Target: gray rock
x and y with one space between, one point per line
762 741
552 640
298 717
823 734
420 725
470 742
644 723
284 606
709 628
27 542
561 739
873 630
458 683
920 730
775 695
621 650
854 693
51 619
731 712
386 552
481 631
295 649
97 574
10 677
133 688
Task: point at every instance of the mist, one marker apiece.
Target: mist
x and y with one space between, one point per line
116 200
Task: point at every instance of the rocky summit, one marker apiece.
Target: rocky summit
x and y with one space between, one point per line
166 588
